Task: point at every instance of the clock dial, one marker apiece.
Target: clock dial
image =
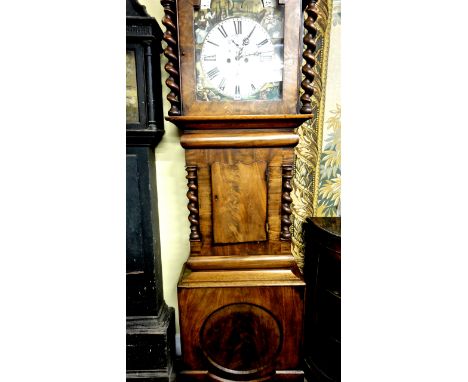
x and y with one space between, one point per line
234 61
239 56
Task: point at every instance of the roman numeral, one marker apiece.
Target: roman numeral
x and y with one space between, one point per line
209 58
213 73
253 87
212 43
262 43
222 31
238 26
222 84
237 90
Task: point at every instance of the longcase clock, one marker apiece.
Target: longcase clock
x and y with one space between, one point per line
150 322
234 82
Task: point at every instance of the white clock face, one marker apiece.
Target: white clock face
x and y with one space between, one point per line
239 60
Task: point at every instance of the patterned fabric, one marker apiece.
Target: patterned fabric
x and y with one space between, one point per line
317 178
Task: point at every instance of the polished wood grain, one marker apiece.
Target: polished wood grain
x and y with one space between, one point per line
209 122
289 104
242 277
198 263
228 138
239 202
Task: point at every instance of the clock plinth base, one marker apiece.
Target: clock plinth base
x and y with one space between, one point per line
241 325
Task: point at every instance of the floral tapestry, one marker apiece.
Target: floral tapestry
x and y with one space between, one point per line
317 177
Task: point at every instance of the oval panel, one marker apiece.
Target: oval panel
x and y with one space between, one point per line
241 338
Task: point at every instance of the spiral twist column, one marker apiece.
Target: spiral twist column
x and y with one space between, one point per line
286 203
172 67
309 57
192 195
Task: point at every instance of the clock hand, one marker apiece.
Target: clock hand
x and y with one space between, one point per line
246 41
236 44
239 54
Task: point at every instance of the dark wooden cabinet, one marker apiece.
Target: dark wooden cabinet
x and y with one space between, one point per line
150 322
322 273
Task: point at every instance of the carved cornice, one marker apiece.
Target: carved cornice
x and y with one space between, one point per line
140 25
171 52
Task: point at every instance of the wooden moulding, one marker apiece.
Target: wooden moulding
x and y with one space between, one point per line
241 262
239 278
237 140
281 121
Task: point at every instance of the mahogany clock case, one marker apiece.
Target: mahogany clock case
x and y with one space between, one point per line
240 293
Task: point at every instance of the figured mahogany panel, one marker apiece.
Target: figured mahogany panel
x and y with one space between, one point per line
239 196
